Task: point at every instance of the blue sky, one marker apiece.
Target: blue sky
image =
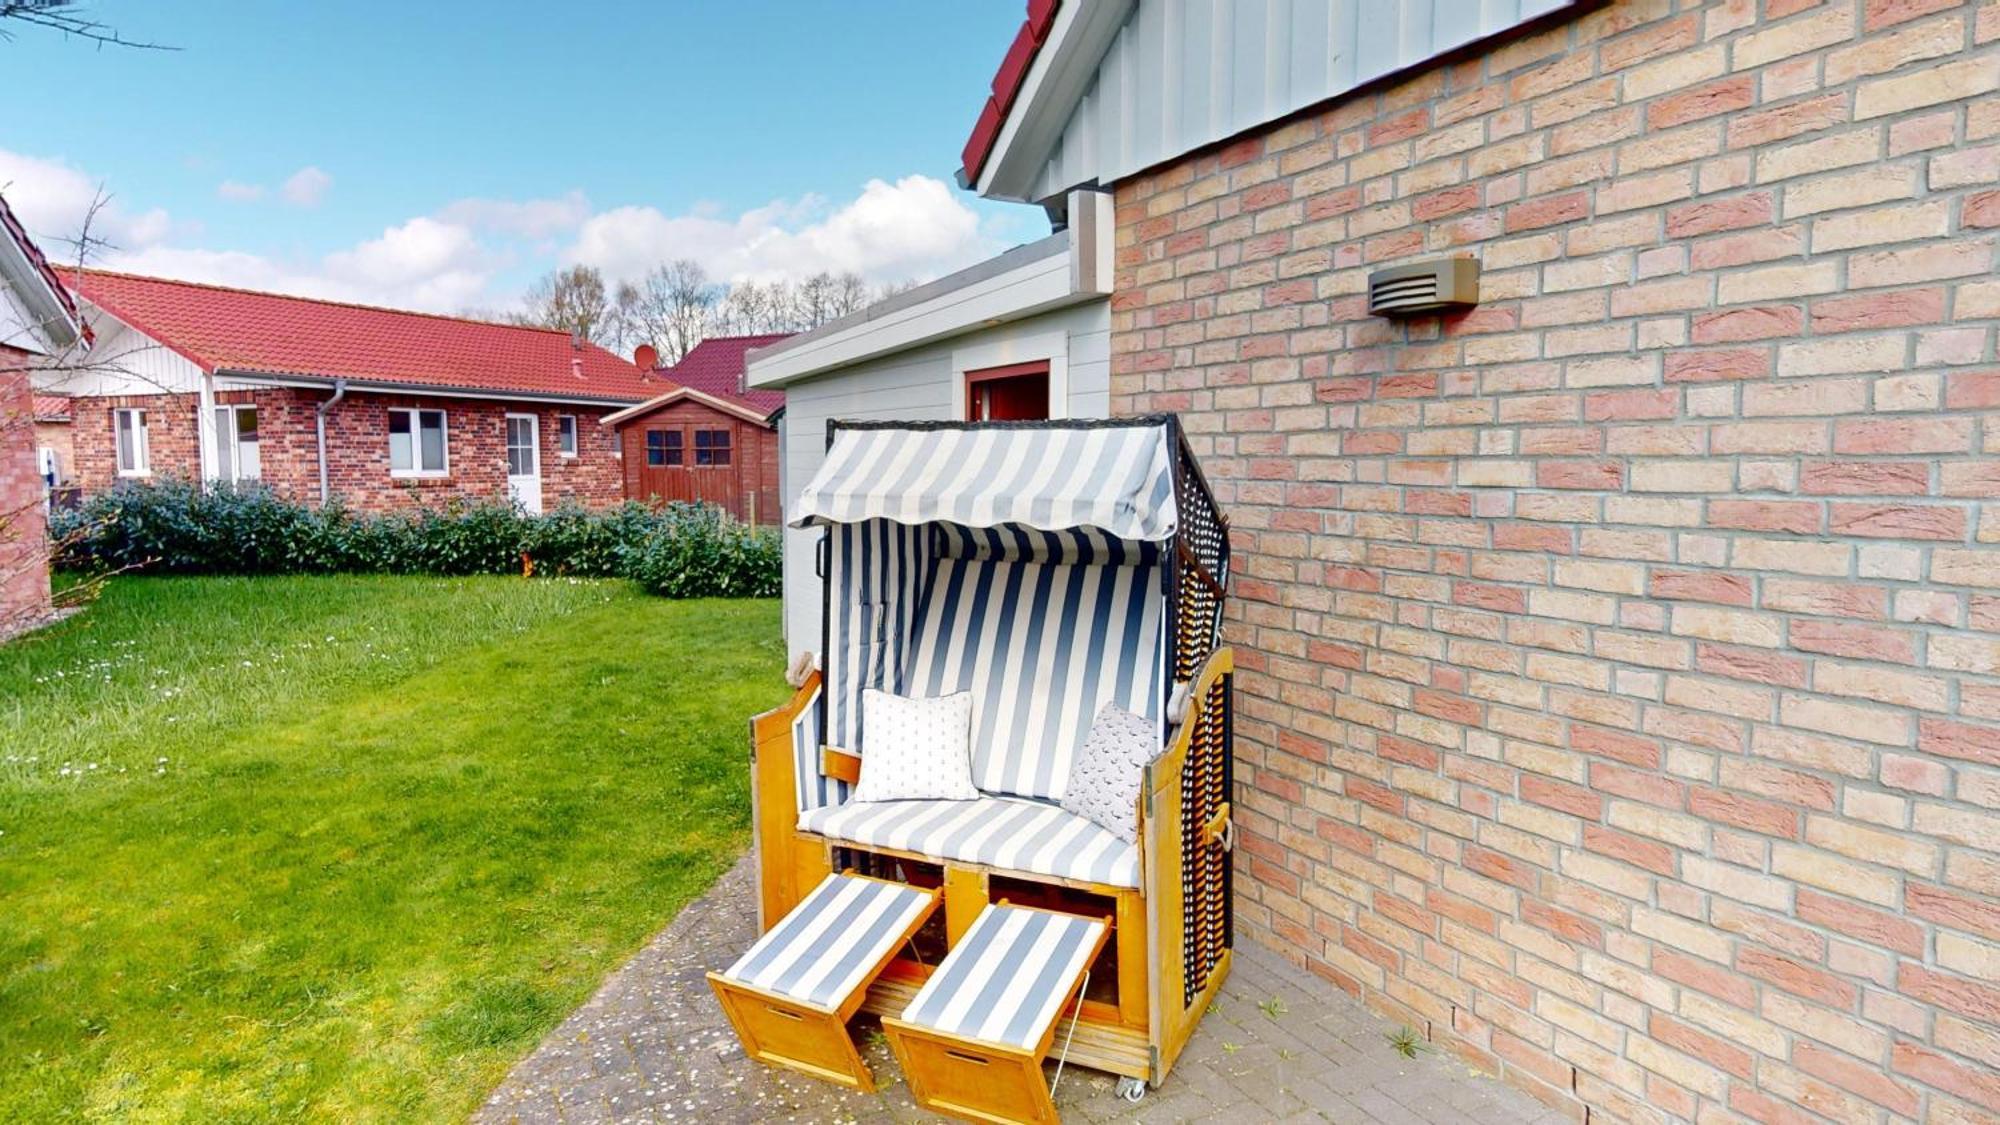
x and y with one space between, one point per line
443 154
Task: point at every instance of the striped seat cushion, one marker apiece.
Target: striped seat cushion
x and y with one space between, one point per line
1008 832
824 949
1006 979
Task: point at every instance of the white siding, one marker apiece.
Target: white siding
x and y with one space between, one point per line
919 384
124 362
1182 74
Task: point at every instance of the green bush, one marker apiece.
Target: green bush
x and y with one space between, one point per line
175 527
694 551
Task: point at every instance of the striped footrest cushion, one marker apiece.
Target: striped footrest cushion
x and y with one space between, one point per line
831 943
1007 979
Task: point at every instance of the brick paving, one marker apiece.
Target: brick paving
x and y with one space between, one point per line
1279 1045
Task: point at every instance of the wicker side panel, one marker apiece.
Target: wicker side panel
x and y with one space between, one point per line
1205 865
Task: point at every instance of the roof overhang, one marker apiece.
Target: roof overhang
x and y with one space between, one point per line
1070 267
52 320
232 379
1056 81
685 394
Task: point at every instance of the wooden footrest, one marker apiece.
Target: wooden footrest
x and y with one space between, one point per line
791 995
973 1040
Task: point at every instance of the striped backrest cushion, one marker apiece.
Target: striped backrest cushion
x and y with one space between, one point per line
1042 646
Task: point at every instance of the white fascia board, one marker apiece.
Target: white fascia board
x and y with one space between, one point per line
1055 82
227 380
45 320
1038 286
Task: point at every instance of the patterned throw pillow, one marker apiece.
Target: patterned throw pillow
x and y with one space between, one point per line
1105 778
917 749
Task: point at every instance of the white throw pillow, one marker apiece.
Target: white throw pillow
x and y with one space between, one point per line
1104 780
916 749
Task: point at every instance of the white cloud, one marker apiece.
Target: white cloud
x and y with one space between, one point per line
531 218
916 228
421 264
305 187
473 252
52 198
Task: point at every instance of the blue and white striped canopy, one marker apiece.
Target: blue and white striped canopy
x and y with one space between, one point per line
1115 477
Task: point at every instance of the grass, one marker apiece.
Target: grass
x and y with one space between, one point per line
347 847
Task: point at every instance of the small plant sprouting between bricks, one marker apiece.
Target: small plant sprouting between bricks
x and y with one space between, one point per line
1407 1042
1274 1007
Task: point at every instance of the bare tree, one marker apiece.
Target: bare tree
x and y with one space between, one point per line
67 18
575 301
671 308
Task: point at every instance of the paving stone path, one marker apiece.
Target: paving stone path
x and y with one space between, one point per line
1279 1045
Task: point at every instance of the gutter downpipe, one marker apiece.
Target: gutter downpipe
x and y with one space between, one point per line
319 435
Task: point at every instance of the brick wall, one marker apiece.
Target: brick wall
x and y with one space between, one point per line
24 570
358 447
1619 696
170 434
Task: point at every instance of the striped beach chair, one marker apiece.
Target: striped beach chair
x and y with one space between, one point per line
791 994
972 1041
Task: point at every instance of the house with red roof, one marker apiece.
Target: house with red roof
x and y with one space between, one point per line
379 408
40 324
707 438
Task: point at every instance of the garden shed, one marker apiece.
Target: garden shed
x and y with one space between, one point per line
707 440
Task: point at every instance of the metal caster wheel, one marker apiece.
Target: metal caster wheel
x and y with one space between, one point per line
1131 1089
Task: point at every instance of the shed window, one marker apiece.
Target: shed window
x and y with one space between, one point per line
663 448
417 443
711 447
134 458
566 435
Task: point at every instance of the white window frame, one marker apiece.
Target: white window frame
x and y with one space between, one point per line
416 414
234 441
1041 347
566 431
142 449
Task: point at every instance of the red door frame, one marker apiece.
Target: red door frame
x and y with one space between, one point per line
973 379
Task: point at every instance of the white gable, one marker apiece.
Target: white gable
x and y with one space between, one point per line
1122 86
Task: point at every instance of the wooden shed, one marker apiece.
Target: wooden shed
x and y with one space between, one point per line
706 439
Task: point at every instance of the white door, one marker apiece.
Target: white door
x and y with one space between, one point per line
524 462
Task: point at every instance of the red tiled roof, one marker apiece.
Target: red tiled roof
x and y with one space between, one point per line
241 330
52 408
1006 87
715 368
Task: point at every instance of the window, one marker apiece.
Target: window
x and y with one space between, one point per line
663 448
135 459
566 435
1016 393
417 443
236 448
711 447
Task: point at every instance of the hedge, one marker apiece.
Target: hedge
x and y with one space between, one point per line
175 527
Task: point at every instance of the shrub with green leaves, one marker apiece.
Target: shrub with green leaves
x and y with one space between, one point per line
176 527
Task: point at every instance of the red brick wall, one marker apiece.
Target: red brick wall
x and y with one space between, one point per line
24 570
358 447
1619 695
170 432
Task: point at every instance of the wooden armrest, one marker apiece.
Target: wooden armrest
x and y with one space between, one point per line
839 765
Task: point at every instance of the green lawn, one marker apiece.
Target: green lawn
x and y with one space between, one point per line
347 847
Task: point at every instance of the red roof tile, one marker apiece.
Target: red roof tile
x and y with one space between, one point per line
1006 87
715 367
240 330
